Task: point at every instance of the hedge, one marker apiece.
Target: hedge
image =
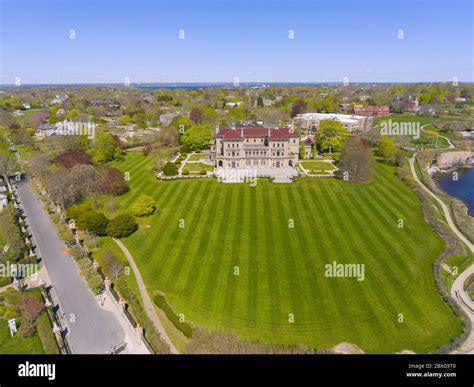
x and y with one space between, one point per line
184 327
46 335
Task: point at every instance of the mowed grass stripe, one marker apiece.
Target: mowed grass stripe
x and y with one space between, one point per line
290 283
371 298
356 314
218 267
181 237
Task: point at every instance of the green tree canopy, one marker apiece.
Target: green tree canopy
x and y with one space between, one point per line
197 137
104 149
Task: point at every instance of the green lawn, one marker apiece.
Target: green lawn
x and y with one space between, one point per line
197 167
17 345
317 166
196 157
282 268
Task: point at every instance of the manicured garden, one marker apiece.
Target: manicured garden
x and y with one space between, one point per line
197 167
317 166
226 256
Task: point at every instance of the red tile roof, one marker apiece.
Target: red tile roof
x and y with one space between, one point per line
282 133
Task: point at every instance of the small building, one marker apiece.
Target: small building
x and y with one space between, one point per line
370 111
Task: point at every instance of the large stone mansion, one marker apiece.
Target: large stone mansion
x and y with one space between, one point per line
255 147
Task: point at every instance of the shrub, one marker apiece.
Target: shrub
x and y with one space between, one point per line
184 327
202 172
144 206
93 279
122 226
185 172
170 169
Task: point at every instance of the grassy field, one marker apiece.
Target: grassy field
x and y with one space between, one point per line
281 269
197 167
196 157
18 345
317 166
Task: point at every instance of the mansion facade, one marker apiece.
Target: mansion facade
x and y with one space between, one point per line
255 147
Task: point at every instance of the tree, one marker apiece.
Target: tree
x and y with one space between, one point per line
170 169
70 159
92 221
196 115
302 152
144 206
122 226
387 149
124 120
29 308
197 137
356 160
112 265
72 114
112 181
298 107
331 135
104 149
235 115
8 165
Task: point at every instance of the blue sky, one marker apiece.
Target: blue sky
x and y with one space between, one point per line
245 39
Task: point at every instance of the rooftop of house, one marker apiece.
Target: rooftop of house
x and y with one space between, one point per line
277 133
331 116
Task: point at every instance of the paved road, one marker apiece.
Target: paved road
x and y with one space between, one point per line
95 330
457 290
147 302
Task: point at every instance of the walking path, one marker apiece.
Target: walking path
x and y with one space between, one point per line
451 145
458 286
464 301
147 302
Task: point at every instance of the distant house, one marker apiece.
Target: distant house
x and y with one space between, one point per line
166 118
59 99
426 110
460 99
27 106
233 104
370 111
410 103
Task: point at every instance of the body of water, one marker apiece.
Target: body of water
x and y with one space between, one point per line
463 188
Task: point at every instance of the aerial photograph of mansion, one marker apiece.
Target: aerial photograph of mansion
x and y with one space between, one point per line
256 147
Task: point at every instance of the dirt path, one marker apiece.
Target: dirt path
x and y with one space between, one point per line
147 302
458 293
